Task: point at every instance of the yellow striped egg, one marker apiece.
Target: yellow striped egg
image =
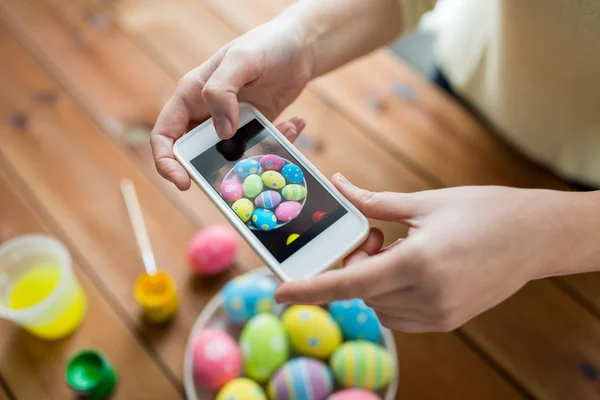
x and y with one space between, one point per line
312 331
293 192
273 180
362 364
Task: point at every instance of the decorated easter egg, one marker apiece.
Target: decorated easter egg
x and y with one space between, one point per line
291 238
354 394
243 208
265 220
273 180
357 320
318 215
301 378
312 331
216 358
293 192
213 249
248 295
292 173
268 199
362 365
264 346
242 389
246 168
288 210
271 162
231 190
253 185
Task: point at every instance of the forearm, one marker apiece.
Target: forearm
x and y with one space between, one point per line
337 31
579 247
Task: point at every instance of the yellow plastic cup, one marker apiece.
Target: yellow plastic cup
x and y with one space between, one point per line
157 296
38 289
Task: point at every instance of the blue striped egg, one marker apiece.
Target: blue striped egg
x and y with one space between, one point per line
293 192
246 167
357 320
363 365
268 199
248 295
265 220
292 173
301 378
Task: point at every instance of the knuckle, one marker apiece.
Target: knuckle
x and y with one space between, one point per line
345 289
190 83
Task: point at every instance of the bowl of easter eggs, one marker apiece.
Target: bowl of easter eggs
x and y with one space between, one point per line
265 191
244 346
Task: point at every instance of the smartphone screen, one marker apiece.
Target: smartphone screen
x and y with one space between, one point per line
283 205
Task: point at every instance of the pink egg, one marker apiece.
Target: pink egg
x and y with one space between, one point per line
288 210
217 358
213 249
354 394
231 190
272 162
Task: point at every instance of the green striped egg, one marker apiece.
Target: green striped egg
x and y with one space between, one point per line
362 364
293 192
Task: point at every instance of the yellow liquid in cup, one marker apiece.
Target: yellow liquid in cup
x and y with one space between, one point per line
34 286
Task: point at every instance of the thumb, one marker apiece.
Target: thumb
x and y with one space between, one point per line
384 206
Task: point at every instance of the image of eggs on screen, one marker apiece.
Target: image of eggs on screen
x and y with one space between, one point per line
283 205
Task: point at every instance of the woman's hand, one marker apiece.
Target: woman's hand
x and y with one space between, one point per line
467 250
267 67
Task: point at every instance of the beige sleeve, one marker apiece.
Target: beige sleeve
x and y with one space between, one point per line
412 11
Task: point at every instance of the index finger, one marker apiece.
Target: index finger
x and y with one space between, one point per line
186 105
362 279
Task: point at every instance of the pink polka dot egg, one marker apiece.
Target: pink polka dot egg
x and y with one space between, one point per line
354 394
217 358
213 249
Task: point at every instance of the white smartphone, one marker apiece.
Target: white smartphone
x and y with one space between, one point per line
288 212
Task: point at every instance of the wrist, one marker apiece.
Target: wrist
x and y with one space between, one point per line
577 245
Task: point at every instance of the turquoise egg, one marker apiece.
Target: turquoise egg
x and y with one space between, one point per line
265 220
292 173
356 319
248 295
253 185
246 167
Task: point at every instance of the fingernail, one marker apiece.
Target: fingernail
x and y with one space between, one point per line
223 127
300 123
291 134
341 178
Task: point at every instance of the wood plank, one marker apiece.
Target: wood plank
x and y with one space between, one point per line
525 374
33 368
4 391
74 171
79 51
96 222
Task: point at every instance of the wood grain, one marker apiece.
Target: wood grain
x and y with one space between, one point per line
34 369
83 196
107 56
73 171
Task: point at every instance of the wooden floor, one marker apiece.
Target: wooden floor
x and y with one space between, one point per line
81 83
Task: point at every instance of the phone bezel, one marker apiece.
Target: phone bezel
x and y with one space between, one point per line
319 254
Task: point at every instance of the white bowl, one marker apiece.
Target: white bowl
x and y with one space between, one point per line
231 175
213 316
